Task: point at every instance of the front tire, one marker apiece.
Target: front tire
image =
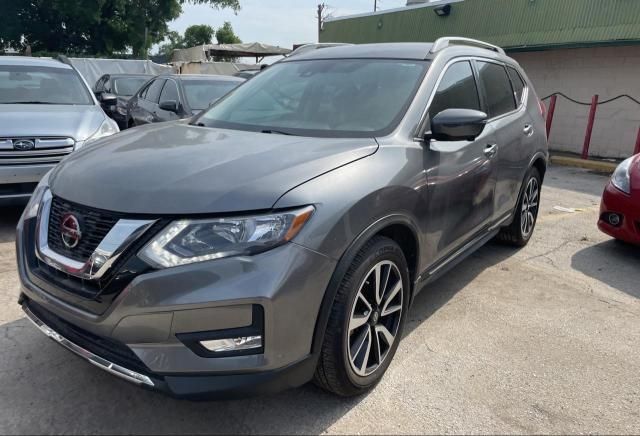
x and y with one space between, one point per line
366 321
519 232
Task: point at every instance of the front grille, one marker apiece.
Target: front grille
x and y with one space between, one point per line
47 150
106 348
94 225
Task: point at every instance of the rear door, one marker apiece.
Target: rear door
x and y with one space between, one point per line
460 174
504 94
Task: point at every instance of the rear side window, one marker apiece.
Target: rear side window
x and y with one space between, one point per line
497 88
517 82
457 90
153 93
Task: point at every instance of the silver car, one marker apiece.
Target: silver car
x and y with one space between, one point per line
47 111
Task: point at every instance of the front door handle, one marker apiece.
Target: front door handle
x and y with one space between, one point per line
491 150
528 130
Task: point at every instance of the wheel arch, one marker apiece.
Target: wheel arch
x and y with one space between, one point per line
398 227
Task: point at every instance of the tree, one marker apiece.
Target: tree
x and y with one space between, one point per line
92 27
198 34
225 35
176 41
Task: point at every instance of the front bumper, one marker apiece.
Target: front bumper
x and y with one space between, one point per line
143 330
627 207
20 181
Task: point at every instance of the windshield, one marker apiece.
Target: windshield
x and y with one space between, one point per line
41 85
128 86
347 97
201 93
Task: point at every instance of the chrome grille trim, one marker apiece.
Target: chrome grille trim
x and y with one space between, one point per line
46 150
123 233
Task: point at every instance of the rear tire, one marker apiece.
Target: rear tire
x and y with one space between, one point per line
366 320
519 232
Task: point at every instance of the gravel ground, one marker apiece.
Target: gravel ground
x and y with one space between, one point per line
539 340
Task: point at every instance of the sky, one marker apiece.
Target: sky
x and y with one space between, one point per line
276 22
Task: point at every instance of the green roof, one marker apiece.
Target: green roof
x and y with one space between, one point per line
512 24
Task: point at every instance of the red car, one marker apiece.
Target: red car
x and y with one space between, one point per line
620 207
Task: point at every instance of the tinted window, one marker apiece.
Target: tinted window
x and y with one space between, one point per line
153 93
169 92
100 84
331 98
127 85
497 88
41 85
517 82
201 93
457 89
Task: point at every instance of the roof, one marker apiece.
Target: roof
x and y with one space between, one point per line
119 75
512 24
405 50
34 62
211 77
204 52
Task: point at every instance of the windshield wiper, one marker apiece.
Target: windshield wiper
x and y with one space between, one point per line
278 132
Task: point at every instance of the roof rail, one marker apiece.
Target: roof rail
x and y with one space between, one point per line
455 40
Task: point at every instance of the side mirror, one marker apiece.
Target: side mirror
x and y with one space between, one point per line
108 99
169 105
457 125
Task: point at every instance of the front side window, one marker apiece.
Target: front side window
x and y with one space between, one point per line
42 85
497 88
127 86
330 98
457 90
201 93
153 92
169 92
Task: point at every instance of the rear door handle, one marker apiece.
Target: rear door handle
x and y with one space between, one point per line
491 150
528 129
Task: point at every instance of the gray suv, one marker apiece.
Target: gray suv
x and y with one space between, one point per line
47 111
281 235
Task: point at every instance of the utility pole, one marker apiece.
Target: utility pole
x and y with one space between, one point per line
375 5
321 8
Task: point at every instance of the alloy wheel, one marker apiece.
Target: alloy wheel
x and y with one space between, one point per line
529 207
375 318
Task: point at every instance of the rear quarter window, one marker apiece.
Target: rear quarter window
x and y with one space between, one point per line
517 83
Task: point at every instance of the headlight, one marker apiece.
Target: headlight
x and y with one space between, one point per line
620 178
108 127
31 211
188 241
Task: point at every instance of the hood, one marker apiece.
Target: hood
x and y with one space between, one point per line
174 168
75 121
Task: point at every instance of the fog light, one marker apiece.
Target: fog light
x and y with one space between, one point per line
614 219
233 344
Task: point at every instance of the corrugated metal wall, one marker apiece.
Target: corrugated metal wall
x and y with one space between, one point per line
512 24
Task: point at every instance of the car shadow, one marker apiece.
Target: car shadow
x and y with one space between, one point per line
65 394
436 294
612 263
9 216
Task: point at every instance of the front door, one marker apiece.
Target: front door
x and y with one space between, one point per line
461 175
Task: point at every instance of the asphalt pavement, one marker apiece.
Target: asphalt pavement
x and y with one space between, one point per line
545 339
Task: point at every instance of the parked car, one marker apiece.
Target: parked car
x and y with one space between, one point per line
173 97
122 87
47 110
620 206
281 235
